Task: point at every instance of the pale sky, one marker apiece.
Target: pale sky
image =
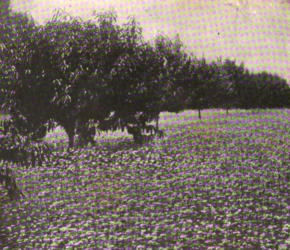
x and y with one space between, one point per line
254 31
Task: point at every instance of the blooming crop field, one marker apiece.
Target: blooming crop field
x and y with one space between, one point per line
219 183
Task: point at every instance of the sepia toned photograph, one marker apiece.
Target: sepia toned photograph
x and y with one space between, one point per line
142 124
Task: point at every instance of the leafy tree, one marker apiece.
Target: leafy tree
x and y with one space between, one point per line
131 89
50 72
226 96
13 85
237 79
202 88
281 93
19 143
215 84
78 72
121 70
258 92
271 90
176 70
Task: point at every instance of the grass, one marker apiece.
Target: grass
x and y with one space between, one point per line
219 183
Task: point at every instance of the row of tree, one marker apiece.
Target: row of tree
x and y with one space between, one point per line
99 75
225 84
76 74
71 72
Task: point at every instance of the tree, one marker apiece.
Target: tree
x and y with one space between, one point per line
19 144
50 70
281 92
135 85
237 80
225 94
175 71
270 90
15 39
201 94
81 72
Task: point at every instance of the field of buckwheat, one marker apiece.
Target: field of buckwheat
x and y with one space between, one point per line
219 183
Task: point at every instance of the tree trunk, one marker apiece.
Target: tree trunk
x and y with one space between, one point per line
71 140
227 112
136 132
69 127
199 114
86 133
